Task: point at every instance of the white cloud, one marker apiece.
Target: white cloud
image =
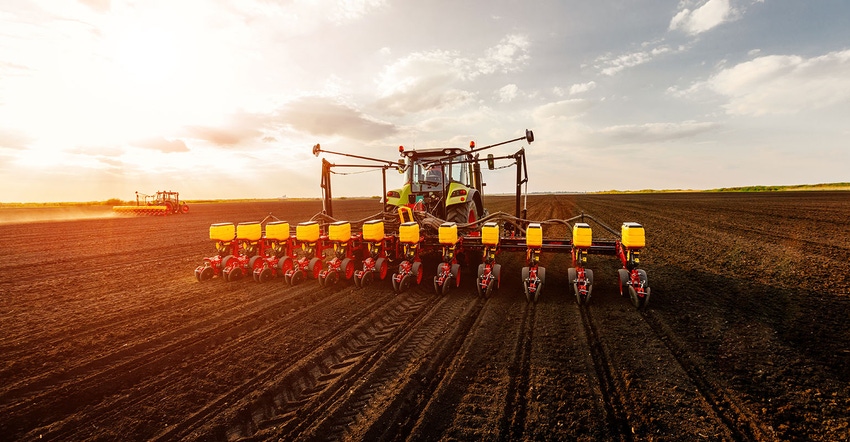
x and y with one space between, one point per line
13 139
325 116
507 93
564 109
510 55
580 88
434 80
653 132
610 64
422 81
348 10
704 18
783 84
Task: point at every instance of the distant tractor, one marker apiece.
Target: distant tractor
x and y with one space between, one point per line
161 203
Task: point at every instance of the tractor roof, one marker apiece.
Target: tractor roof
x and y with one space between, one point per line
433 152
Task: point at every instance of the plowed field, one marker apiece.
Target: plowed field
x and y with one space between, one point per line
106 334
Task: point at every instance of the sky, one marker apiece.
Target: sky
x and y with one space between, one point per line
225 98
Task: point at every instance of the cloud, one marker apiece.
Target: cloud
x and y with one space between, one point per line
325 116
507 93
434 80
422 81
510 55
349 10
565 109
12 139
783 84
161 144
653 132
610 64
580 88
711 14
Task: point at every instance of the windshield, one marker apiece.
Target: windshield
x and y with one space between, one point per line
434 175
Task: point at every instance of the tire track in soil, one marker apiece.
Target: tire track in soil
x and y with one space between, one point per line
113 371
463 405
651 391
258 336
735 416
108 324
610 386
294 397
385 404
512 423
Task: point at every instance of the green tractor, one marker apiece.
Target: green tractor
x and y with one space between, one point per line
444 182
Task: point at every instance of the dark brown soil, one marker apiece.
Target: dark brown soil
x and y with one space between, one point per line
106 334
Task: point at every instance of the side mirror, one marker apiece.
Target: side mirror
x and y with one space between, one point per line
400 166
317 149
529 136
491 163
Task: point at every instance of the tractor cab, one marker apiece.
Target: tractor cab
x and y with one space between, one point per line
442 182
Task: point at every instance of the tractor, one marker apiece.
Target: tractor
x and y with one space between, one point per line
443 182
161 203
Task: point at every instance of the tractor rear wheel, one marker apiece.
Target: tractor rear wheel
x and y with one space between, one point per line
462 213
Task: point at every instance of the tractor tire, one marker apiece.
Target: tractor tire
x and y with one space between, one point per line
169 208
462 213
184 208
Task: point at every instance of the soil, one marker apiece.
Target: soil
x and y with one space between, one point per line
107 335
